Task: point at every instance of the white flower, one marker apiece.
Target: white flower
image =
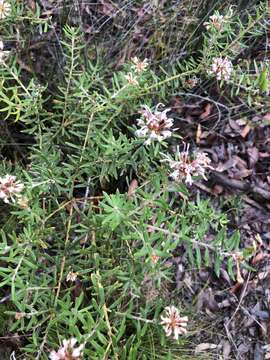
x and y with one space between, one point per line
68 351
215 21
71 276
218 21
154 125
10 188
139 66
184 168
202 162
5 9
19 315
154 258
172 323
131 79
222 68
3 53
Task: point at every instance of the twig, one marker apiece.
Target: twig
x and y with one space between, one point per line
236 184
136 318
64 257
195 242
240 301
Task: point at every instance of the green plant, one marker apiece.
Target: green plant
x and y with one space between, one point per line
76 215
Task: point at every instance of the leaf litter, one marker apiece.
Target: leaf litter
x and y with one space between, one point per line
239 310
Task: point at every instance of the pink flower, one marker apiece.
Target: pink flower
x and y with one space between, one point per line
131 79
154 125
222 68
139 66
68 351
215 21
172 323
71 276
5 9
10 188
184 167
201 163
218 21
154 258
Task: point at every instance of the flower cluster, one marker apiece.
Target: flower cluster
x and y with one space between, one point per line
221 68
68 351
154 258
5 9
10 189
139 66
172 323
215 21
184 168
131 79
154 125
71 276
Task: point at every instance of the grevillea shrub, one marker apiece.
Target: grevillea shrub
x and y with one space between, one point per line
98 186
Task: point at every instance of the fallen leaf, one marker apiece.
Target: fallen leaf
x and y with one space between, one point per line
32 5
132 187
235 288
266 117
226 350
204 346
245 131
206 300
234 126
258 352
261 314
259 257
207 111
253 154
227 165
198 134
241 174
217 190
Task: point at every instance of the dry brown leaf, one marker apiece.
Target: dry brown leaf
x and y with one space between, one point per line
264 154
217 189
245 131
226 350
259 257
107 8
198 134
234 126
266 117
132 187
207 111
204 346
227 165
253 154
206 300
241 174
32 5
239 162
235 288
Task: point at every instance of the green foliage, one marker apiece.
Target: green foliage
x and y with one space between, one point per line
81 218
